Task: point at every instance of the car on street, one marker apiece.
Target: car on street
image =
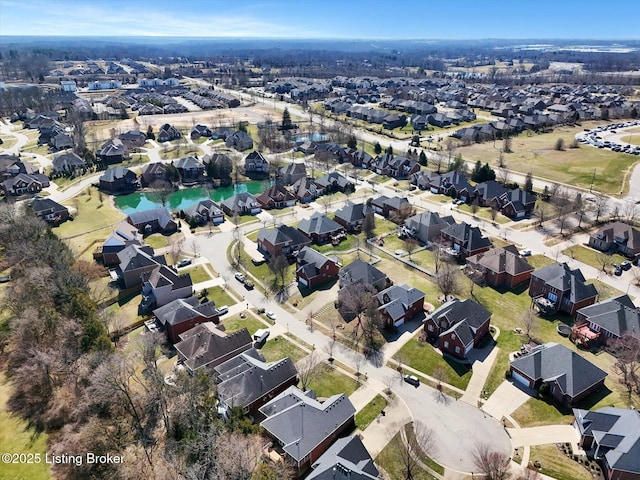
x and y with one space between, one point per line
248 284
525 252
184 263
271 316
412 379
223 310
240 277
618 271
625 265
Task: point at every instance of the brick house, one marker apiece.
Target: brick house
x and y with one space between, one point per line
602 321
183 314
313 268
281 239
464 239
616 237
500 267
320 228
558 288
399 303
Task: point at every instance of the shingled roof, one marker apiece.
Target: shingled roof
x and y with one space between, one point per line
561 277
346 459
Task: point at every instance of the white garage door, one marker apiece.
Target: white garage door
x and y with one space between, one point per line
303 281
520 379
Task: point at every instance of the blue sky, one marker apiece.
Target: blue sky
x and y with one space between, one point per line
390 19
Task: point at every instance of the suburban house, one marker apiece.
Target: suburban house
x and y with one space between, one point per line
167 133
67 163
602 321
163 285
156 220
423 179
190 169
399 303
242 203
133 139
24 183
203 212
452 184
291 173
252 383
611 436
320 228
458 326
305 427
256 165
488 194
500 267
113 151
239 140
313 268
426 226
464 240
153 172
133 261
387 206
616 237
183 314
205 346
569 375
281 239
118 179
346 459
51 212
200 131
12 165
351 216
276 196
306 190
364 273
122 236
335 182
558 288
517 203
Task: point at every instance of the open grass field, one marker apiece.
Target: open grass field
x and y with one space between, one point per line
371 410
632 139
426 359
605 291
17 437
93 220
171 152
235 323
556 465
331 382
279 347
535 153
8 142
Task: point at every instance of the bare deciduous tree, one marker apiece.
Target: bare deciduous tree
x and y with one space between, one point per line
626 349
308 369
601 206
447 280
491 463
410 244
413 441
528 320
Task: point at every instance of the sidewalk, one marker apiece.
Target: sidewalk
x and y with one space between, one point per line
377 435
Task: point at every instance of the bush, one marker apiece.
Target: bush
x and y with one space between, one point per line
559 144
508 374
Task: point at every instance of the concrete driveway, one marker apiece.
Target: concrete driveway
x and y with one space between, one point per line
521 437
506 399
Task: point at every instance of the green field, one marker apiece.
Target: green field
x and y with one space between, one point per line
557 465
331 382
590 257
220 296
371 410
279 347
235 323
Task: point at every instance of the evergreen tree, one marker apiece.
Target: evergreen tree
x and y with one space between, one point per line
389 150
352 143
528 183
286 120
423 159
377 148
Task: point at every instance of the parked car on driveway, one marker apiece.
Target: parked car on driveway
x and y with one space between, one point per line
618 271
248 284
625 265
525 252
223 310
184 263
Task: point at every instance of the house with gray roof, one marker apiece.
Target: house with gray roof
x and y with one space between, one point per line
362 272
118 179
67 162
388 206
335 182
203 212
163 285
604 321
351 216
122 236
243 203
205 346
276 196
305 427
51 212
557 287
255 164
399 303
611 436
281 239
239 140
320 228
516 203
314 268
499 267
346 459
458 326
616 237
426 226
133 261
155 220
113 151
253 383
306 190
291 173
153 172
182 314
569 376
190 169
464 240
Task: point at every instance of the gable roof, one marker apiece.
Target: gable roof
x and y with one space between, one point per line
319 224
561 277
183 310
46 205
629 235
283 234
113 174
240 201
301 423
67 161
617 315
554 362
333 178
161 214
208 206
351 212
456 311
134 256
204 344
470 237
122 235
346 459
163 276
397 299
189 163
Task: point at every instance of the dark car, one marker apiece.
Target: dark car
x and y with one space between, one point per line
248 284
618 271
625 265
413 380
184 263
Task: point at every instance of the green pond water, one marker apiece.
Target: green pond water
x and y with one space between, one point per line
181 199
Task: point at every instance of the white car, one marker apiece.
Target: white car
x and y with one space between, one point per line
271 316
525 253
223 310
240 277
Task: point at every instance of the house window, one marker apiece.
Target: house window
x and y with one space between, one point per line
446 344
430 328
457 349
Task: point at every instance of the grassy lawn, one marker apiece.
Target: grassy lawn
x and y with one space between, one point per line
423 456
370 411
303 296
172 152
220 296
424 358
126 310
605 291
8 142
484 213
235 323
93 220
331 382
632 139
262 272
535 153
539 261
17 437
536 412
279 347
590 256
198 274
390 459
557 465
157 240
